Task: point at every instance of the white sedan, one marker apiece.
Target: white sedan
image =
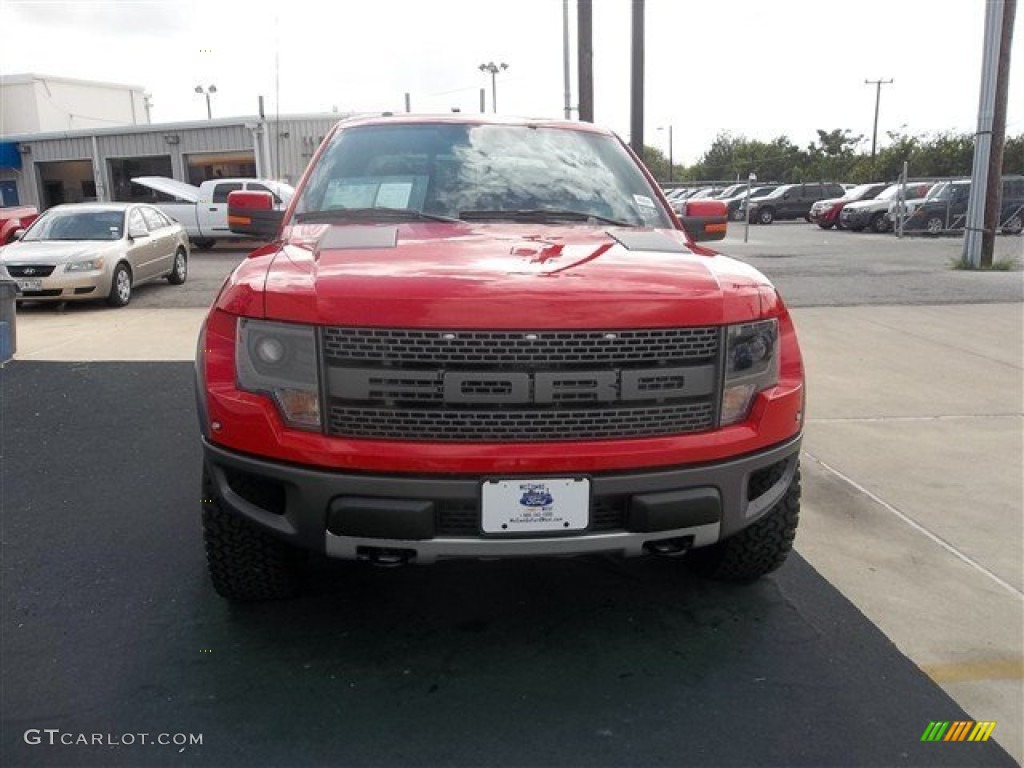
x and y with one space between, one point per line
89 251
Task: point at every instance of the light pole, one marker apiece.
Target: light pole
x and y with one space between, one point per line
670 161
206 92
494 69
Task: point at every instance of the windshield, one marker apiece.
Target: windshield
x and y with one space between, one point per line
862 192
486 171
943 191
57 224
735 189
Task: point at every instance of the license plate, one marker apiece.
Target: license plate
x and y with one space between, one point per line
535 505
30 285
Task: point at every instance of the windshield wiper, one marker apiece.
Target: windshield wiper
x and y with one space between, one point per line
540 215
363 214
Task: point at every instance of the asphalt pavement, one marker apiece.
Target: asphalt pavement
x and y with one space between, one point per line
902 605
110 627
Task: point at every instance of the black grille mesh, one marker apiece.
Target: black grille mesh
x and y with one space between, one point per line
546 348
30 270
525 425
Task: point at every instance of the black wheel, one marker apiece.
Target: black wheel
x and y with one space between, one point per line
754 551
935 225
824 225
879 223
246 564
737 215
180 269
1014 225
120 286
765 216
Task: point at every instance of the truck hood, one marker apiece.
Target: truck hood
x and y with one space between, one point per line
468 275
172 187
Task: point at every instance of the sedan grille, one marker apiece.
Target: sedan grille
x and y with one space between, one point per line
30 270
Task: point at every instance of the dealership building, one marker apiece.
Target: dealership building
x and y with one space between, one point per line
42 166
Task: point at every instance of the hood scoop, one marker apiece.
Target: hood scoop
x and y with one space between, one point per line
356 237
639 240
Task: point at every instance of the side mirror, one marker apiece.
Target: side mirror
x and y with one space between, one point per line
253 214
17 234
705 219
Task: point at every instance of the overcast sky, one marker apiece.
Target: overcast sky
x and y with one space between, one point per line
751 67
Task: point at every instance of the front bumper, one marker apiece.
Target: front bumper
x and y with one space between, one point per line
351 515
65 286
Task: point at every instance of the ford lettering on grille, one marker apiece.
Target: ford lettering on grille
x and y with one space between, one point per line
536 386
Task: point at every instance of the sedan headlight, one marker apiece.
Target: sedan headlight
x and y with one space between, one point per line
751 366
90 265
280 359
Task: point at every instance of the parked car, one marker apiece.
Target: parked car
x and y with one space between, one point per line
944 209
13 218
874 214
734 203
85 251
792 201
204 209
825 213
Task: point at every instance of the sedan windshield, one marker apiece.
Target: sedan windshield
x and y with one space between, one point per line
59 224
519 173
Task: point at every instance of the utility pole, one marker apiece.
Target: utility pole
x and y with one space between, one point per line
986 181
636 101
878 98
585 58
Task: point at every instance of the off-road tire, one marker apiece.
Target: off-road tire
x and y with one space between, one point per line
246 564
756 550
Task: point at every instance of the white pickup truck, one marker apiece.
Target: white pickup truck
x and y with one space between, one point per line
203 210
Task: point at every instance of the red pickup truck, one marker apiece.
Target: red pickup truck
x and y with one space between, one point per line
488 338
13 218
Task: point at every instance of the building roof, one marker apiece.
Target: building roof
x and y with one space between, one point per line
31 77
245 120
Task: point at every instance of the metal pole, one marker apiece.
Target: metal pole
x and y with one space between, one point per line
901 202
565 58
585 58
494 91
670 161
995 159
408 102
636 102
983 137
483 100
746 210
209 111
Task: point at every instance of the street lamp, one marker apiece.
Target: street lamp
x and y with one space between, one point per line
670 163
494 69
207 92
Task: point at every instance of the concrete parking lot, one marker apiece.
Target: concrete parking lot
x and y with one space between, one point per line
903 605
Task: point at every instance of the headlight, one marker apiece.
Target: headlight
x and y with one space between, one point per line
84 266
280 359
751 366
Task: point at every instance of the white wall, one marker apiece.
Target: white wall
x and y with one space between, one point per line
18 108
53 104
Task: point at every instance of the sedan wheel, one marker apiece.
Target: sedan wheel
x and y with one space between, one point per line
1014 225
180 270
766 216
880 223
120 286
935 225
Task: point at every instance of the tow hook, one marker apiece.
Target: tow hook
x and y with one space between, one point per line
670 547
385 558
